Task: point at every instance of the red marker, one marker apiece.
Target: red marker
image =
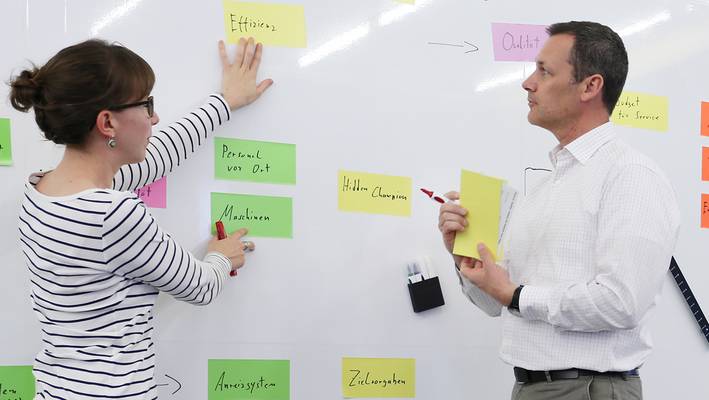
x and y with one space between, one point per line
432 196
221 235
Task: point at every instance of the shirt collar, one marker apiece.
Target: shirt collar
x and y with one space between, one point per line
584 146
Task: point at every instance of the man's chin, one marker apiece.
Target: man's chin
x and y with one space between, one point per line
534 120
531 119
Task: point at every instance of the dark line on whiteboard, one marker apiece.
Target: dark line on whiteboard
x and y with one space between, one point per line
447 44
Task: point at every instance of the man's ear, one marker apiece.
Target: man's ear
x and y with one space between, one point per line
592 87
105 124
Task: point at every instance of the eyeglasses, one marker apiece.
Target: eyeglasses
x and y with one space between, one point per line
145 103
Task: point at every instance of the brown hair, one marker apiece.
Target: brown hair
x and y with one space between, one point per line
597 50
69 91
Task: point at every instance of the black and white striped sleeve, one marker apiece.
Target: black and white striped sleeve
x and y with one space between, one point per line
170 146
135 247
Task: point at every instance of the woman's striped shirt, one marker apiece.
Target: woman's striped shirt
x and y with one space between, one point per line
97 260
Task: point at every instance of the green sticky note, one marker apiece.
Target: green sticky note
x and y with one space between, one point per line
254 161
16 382
5 142
249 379
264 216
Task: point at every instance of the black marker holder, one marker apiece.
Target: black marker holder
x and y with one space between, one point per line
426 294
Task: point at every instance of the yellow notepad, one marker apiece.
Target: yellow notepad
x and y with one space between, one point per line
480 195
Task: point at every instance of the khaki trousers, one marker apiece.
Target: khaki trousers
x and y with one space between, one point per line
581 388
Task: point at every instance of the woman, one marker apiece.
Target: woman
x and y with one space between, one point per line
97 259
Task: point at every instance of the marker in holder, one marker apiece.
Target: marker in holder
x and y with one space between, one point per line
426 294
424 288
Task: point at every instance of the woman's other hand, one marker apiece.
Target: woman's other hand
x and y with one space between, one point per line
232 248
239 86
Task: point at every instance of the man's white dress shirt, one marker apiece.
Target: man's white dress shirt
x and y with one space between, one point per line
592 244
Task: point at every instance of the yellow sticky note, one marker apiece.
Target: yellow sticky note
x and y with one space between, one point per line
642 110
406 1
374 193
379 377
480 195
271 24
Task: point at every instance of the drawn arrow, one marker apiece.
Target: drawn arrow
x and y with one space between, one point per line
179 385
473 48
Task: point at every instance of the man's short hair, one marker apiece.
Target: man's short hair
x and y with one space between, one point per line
597 50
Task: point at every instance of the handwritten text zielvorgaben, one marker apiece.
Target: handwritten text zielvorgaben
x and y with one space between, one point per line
358 380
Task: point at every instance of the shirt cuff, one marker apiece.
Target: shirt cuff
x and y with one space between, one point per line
464 282
220 107
533 302
220 260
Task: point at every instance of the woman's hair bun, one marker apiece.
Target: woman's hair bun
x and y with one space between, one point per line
25 90
73 86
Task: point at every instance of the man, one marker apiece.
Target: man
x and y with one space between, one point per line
588 249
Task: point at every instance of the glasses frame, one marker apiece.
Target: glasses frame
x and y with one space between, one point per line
149 104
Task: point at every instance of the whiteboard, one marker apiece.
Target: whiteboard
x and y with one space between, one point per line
385 101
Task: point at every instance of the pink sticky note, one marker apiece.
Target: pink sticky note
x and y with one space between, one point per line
517 42
155 194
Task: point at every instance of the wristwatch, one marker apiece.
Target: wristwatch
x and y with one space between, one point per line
514 304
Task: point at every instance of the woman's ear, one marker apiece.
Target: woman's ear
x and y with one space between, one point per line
105 124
